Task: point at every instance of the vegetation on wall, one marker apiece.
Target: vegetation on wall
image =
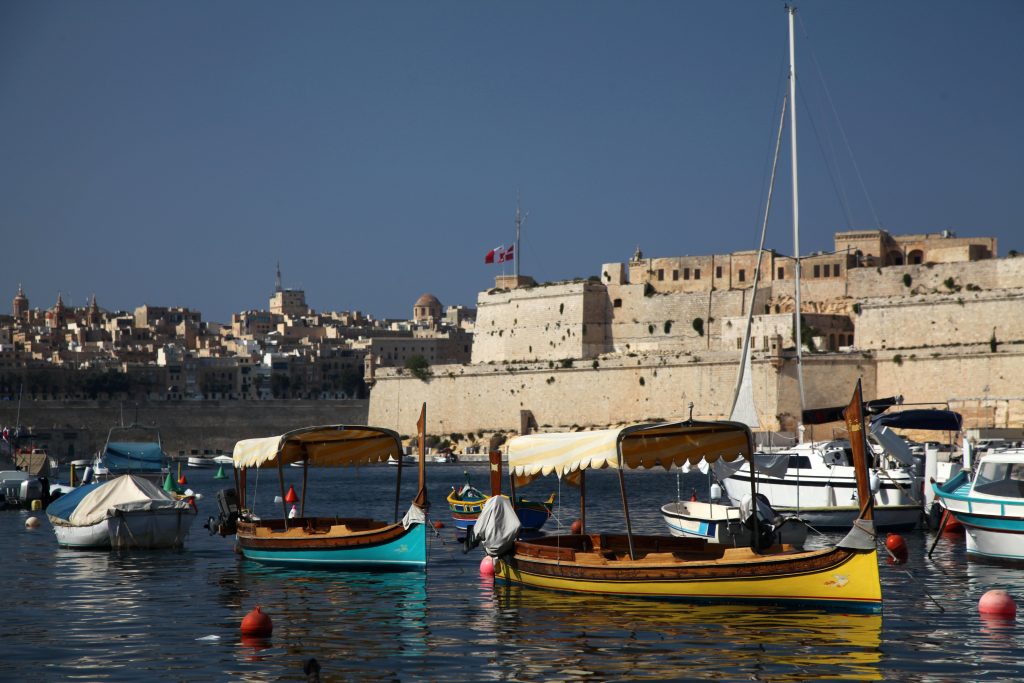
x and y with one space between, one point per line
418 367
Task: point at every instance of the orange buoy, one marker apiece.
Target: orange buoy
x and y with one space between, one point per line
998 603
438 524
487 566
290 497
897 548
577 527
182 480
256 624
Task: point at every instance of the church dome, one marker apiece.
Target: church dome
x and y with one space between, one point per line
427 307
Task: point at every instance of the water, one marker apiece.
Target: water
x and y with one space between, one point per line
102 616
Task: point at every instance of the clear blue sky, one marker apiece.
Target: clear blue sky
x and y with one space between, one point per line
171 153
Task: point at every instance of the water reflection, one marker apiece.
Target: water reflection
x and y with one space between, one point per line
605 638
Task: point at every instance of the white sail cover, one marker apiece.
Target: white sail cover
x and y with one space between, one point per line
645 445
743 409
332 445
126 493
772 464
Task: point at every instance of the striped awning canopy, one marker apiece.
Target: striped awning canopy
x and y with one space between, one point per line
327 446
646 445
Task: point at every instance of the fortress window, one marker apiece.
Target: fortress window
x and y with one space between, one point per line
617 303
782 273
696 273
817 271
675 274
686 273
739 342
661 274
742 275
835 270
718 271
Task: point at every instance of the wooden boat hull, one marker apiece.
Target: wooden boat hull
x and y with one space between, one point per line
831 578
335 544
532 514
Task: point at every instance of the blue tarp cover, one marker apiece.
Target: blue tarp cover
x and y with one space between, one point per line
937 420
132 456
66 504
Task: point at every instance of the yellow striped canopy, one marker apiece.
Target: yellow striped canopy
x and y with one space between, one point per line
644 445
328 446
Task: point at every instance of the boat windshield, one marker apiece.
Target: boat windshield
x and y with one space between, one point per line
1004 479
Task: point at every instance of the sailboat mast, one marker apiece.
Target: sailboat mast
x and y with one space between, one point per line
796 215
517 254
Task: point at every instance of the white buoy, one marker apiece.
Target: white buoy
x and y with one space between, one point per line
716 492
32 523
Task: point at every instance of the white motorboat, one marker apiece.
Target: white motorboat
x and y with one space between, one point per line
991 506
125 512
727 524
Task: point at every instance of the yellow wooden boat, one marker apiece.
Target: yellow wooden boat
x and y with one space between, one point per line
842 577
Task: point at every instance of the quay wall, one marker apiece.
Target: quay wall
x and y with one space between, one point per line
77 429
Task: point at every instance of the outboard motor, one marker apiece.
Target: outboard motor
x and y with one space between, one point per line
767 520
226 523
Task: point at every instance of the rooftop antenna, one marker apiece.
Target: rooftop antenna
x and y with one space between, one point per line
277 280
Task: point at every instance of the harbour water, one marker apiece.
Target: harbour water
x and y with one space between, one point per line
103 616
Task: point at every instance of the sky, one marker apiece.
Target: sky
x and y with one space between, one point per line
173 153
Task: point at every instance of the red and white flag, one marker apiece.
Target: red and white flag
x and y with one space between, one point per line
508 255
496 255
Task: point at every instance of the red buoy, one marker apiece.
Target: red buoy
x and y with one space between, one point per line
998 603
256 624
438 524
897 548
182 480
577 527
487 566
290 497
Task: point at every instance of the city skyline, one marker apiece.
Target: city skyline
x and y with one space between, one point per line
171 155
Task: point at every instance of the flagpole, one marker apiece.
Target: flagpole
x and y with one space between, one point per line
517 254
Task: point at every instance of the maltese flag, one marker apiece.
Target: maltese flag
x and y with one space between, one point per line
496 255
508 255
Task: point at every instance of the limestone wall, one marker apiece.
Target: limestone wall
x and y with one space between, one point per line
868 283
547 322
938 320
77 429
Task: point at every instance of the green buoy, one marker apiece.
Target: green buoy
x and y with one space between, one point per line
220 473
169 484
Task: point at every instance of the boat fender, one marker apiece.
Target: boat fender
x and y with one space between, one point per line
716 492
32 523
487 566
874 482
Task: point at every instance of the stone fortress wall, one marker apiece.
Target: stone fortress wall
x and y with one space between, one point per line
617 349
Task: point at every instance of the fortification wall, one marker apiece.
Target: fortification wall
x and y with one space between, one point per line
937 320
990 274
547 322
77 429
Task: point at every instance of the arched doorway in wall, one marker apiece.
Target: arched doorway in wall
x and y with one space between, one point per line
915 257
895 258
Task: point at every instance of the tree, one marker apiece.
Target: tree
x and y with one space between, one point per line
418 366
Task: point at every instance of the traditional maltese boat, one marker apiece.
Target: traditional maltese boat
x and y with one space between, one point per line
843 577
330 542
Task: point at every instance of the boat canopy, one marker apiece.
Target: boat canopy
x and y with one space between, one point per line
936 420
133 456
95 502
326 446
643 445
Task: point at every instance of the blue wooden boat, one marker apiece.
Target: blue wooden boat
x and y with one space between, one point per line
330 542
990 506
466 503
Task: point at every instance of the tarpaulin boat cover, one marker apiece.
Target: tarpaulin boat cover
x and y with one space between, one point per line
497 526
332 445
644 445
125 493
133 456
936 420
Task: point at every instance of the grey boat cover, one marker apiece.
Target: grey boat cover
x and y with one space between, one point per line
497 526
125 493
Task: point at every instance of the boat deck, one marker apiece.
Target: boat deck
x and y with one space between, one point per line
605 549
303 527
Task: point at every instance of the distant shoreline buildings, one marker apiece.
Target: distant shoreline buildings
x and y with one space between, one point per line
934 317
